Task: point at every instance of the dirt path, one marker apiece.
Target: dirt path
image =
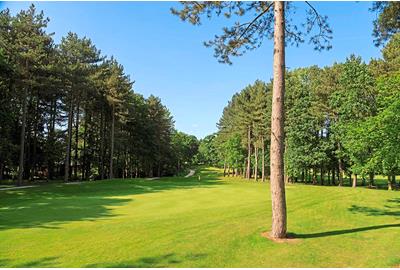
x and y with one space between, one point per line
191 173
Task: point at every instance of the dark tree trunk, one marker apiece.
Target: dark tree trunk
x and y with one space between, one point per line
340 168
69 138
1 169
22 138
248 153
111 175
322 176
51 140
84 156
371 180
263 159
76 142
35 134
256 163
279 221
224 169
102 128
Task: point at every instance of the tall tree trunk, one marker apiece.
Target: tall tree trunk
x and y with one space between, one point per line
263 159
248 153
69 137
51 140
22 138
112 142
84 169
102 127
277 126
76 142
340 168
35 134
255 163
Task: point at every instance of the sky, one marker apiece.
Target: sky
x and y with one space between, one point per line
166 57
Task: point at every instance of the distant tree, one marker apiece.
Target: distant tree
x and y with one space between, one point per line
207 152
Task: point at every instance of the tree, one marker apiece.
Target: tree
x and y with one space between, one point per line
241 37
387 22
78 56
30 46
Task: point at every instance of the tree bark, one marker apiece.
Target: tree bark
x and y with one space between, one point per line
322 176
248 153
371 180
76 143
277 126
340 168
22 138
390 184
256 163
102 127
69 137
263 160
84 169
354 181
112 143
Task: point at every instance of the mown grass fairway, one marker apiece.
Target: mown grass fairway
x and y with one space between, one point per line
181 222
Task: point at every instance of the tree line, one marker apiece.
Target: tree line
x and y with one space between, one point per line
69 112
341 120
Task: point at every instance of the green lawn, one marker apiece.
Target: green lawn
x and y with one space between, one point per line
181 222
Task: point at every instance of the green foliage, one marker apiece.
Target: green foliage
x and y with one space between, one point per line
387 22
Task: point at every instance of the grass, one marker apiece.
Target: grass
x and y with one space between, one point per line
181 222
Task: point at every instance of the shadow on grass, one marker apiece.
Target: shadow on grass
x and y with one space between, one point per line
43 262
346 231
167 260
51 205
390 209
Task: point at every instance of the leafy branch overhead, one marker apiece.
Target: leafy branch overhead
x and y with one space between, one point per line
258 25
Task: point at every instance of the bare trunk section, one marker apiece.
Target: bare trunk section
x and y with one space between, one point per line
22 139
248 153
354 181
340 168
112 142
69 137
255 163
263 159
277 126
76 143
102 127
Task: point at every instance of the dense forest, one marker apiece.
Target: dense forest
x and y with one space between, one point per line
69 112
340 121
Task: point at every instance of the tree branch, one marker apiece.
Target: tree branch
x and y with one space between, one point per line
255 19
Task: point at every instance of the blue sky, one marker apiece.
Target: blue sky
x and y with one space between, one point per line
166 57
